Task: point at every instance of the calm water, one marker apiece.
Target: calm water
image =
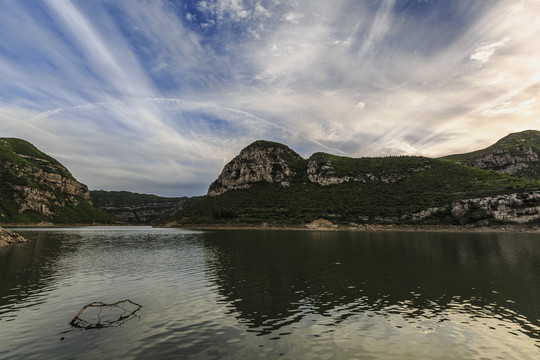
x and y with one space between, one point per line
269 295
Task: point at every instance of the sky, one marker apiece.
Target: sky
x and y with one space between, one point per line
157 96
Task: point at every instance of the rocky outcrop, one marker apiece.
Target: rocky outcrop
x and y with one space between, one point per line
320 170
514 161
46 190
517 207
517 154
262 161
8 237
44 197
268 162
36 187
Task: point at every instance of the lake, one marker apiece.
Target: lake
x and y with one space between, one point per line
232 294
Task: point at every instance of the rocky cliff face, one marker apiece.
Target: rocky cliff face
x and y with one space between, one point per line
262 161
268 162
516 161
34 186
517 207
45 190
320 170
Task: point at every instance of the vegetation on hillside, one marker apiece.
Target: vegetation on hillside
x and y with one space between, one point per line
427 183
135 208
23 153
104 198
17 154
518 145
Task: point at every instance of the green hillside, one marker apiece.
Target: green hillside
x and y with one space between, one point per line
35 187
389 189
22 153
135 208
516 154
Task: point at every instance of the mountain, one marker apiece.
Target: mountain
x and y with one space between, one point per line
134 208
516 154
35 187
269 182
262 161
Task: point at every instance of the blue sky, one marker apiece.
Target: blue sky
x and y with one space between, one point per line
156 96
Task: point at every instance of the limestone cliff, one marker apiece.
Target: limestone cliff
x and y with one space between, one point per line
262 161
516 161
515 207
273 163
320 170
35 187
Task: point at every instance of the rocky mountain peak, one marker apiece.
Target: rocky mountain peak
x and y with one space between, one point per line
261 161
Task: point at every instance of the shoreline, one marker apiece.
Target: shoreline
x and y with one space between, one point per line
508 228
317 225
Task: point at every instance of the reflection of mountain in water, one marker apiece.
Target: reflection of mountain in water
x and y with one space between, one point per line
28 271
274 279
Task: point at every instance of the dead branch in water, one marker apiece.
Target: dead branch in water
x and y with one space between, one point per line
80 321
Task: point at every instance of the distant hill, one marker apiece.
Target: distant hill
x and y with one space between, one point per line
35 187
136 208
516 154
269 182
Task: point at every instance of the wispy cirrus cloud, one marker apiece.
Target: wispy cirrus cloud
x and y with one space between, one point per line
158 96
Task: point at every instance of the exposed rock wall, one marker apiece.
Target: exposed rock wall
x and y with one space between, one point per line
321 171
514 161
36 181
46 190
273 163
516 207
261 161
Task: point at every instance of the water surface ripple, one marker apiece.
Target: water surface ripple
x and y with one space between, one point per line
273 294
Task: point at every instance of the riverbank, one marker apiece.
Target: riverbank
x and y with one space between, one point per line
326 225
8 237
317 225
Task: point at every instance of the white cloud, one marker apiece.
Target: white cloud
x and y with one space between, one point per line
380 25
483 53
525 108
123 96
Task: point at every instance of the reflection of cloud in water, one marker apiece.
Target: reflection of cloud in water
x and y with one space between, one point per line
30 271
276 281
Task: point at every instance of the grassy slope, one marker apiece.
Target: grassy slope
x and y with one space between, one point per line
510 143
14 150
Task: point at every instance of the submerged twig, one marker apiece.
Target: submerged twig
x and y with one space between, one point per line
98 323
